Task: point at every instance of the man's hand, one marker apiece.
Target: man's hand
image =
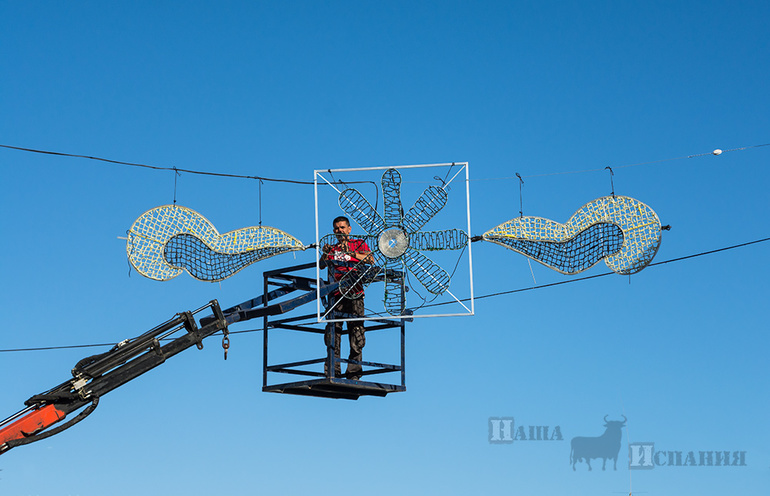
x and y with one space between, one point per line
364 256
322 262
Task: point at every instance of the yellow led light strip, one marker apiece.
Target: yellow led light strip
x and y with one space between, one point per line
623 231
168 239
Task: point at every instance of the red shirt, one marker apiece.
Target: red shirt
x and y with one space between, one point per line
336 254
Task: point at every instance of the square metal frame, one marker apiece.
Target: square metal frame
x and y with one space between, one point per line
464 166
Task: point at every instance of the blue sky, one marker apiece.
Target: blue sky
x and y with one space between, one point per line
280 89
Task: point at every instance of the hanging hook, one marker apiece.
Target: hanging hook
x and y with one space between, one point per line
334 179
612 182
447 173
226 341
130 251
176 174
443 183
260 202
521 199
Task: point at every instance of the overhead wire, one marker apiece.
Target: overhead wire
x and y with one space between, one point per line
491 295
294 181
623 166
175 169
585 278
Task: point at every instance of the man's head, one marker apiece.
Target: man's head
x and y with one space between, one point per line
341 227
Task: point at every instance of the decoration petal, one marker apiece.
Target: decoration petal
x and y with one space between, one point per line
427 205
357 207
431 275
391 197
394 274
450 239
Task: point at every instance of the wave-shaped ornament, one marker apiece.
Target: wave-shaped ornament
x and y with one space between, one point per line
623 231
168 239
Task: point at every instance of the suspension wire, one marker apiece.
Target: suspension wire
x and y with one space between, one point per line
130 251
521 196
559 283
529 261
260 202
491 295
612 181
345 184
447 173
715 152
413 289
96 345
335 181
176 175
45 348
156 167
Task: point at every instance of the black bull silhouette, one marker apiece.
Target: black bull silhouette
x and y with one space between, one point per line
605 446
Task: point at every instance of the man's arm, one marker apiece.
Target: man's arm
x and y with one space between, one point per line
363 254
324 256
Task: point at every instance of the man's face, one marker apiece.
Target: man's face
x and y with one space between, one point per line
342 229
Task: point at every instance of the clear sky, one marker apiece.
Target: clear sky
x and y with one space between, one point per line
279 89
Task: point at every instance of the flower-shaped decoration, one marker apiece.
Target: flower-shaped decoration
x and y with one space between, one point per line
396 240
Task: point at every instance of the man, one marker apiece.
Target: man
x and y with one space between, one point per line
346 252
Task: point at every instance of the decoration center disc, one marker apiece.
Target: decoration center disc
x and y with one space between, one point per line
393 242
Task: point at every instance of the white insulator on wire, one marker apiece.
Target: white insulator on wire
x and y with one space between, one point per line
717 152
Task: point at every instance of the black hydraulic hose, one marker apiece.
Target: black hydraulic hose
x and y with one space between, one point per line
56 430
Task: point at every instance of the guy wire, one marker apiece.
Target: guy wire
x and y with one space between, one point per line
501 293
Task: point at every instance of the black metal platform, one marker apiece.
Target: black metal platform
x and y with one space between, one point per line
323 384
335 388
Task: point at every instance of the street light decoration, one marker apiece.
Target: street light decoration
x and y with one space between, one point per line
397 242
623 231
169 239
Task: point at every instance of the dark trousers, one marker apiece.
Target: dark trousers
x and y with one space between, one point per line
355 334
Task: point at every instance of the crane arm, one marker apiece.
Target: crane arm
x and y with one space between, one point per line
97 375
